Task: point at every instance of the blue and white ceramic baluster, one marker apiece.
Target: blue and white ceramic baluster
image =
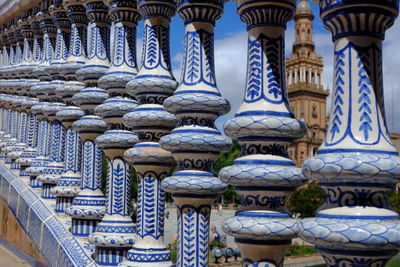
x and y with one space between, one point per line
26 64
196 143
41 158
5 46
26 34
264 176
14 151
24 158
18 39
4 59
49 37
7 59
63 24
69 182
11 139
37 45
123 67
153 84
10 38
55 166
114 235
97 62
19 123
23 51
88 207
357 164
76 12
10 74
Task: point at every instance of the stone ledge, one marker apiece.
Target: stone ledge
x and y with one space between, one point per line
48 233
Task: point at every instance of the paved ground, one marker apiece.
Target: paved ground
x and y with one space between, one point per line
7 259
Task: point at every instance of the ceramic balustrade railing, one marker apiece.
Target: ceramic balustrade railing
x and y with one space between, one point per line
115 234
152 85
69 182
196 143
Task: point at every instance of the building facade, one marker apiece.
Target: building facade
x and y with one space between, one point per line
305 87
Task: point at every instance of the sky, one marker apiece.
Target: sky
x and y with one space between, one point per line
231 58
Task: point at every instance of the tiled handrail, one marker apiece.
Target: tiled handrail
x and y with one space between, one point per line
40 222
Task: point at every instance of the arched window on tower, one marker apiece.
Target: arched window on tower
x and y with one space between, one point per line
314 111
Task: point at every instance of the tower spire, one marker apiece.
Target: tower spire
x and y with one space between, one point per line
304 44
304 82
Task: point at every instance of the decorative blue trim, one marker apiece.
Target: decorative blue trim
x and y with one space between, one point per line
339 151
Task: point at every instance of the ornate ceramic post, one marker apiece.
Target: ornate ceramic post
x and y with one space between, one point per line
114 235
150 122
123 67
88 207
76 12
55 166
27 126
68 185
24 37
49 34
12 148
16 72
11 41
43 148
49 37
55 69
4 64
11 139
7 48
97 62
24 158
356 164
264 176
28 155
196 143
26 61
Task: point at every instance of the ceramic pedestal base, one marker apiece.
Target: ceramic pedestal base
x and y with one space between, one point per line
83 227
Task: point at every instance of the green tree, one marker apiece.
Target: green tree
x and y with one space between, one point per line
394 200
226 159
306 200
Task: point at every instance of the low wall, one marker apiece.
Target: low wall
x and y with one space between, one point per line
15 235
49 238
